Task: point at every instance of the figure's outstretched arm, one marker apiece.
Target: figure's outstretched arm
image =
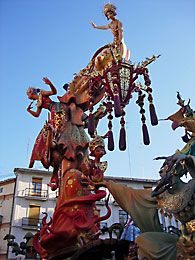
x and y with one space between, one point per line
103 27
53 90
34 113
188 160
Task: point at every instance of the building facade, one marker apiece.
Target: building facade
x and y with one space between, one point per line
118 215
32 197
6 205
28 196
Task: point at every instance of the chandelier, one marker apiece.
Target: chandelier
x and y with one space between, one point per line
119 82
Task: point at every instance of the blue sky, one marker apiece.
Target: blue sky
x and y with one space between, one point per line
54 39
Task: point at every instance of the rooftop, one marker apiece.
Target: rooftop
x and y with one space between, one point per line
118 178
7 181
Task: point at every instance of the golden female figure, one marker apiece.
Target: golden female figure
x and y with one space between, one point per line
118 45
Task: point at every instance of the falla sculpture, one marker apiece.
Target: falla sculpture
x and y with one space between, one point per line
172 196
63 142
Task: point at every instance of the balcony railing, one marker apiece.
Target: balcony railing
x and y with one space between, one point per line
41 194
33 223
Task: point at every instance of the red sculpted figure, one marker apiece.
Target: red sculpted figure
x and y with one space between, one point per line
95 168
63 139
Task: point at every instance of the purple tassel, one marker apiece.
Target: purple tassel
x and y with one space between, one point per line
122 140
153 116
117 107
91 124
146 138
110 141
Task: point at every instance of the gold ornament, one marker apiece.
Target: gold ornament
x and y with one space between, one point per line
96 142
190 226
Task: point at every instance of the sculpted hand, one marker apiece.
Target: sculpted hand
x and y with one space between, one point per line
93 24
47 81
85 168
29 107
171 160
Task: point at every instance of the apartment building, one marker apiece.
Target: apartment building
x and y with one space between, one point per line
118 215
6 204
32 197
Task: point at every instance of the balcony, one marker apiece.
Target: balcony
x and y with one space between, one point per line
35 194
31 223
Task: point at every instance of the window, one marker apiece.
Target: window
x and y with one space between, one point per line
148 188
34 211
123 217
1 189
36 186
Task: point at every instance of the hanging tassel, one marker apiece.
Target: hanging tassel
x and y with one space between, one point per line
153 116
117 107
110 141
122 140
146 77
140 102
91 120
109 107
146 138
91 124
